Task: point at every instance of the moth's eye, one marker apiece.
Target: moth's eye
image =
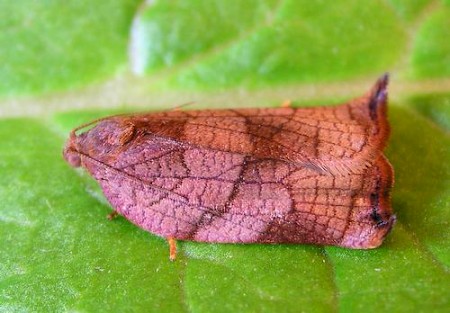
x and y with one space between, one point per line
71 153
127 134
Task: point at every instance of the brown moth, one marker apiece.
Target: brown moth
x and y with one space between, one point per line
270 175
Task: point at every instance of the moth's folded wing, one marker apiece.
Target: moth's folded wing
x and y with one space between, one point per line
176 190
350 137
352 211
338 140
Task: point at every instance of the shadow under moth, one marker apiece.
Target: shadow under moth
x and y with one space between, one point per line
270 175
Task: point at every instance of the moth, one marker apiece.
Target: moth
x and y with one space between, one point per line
269 175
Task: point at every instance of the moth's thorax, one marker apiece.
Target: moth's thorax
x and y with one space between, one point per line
102 143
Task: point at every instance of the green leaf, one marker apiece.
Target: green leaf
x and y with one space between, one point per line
408 10
59 252
431 56
54 45
293 41
435 107
178 36
420 153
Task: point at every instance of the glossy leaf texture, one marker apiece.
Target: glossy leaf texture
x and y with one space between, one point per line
52 45
65 64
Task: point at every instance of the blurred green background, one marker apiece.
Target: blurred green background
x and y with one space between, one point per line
66 62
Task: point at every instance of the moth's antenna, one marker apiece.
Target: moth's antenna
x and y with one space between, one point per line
73 132
180 106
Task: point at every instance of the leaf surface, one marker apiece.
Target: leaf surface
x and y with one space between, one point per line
58 252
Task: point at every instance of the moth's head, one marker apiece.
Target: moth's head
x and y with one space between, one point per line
102 142
70 151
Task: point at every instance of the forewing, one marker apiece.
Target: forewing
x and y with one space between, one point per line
214 196
335 140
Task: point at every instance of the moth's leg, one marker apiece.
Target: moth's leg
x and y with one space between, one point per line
286 104
172 248
112 215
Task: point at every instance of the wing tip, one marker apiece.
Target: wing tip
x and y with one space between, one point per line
378 96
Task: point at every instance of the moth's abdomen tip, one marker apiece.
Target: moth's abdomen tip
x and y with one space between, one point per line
381 233
375 238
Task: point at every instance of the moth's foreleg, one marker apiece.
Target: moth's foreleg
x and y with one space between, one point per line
172 248
286 104
112 215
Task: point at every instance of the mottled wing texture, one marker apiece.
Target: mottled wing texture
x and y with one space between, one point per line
337 140
204 195
245 176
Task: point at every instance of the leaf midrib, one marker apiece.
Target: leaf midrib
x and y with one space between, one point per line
128 92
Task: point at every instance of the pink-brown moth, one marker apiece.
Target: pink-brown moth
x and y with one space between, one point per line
270 175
